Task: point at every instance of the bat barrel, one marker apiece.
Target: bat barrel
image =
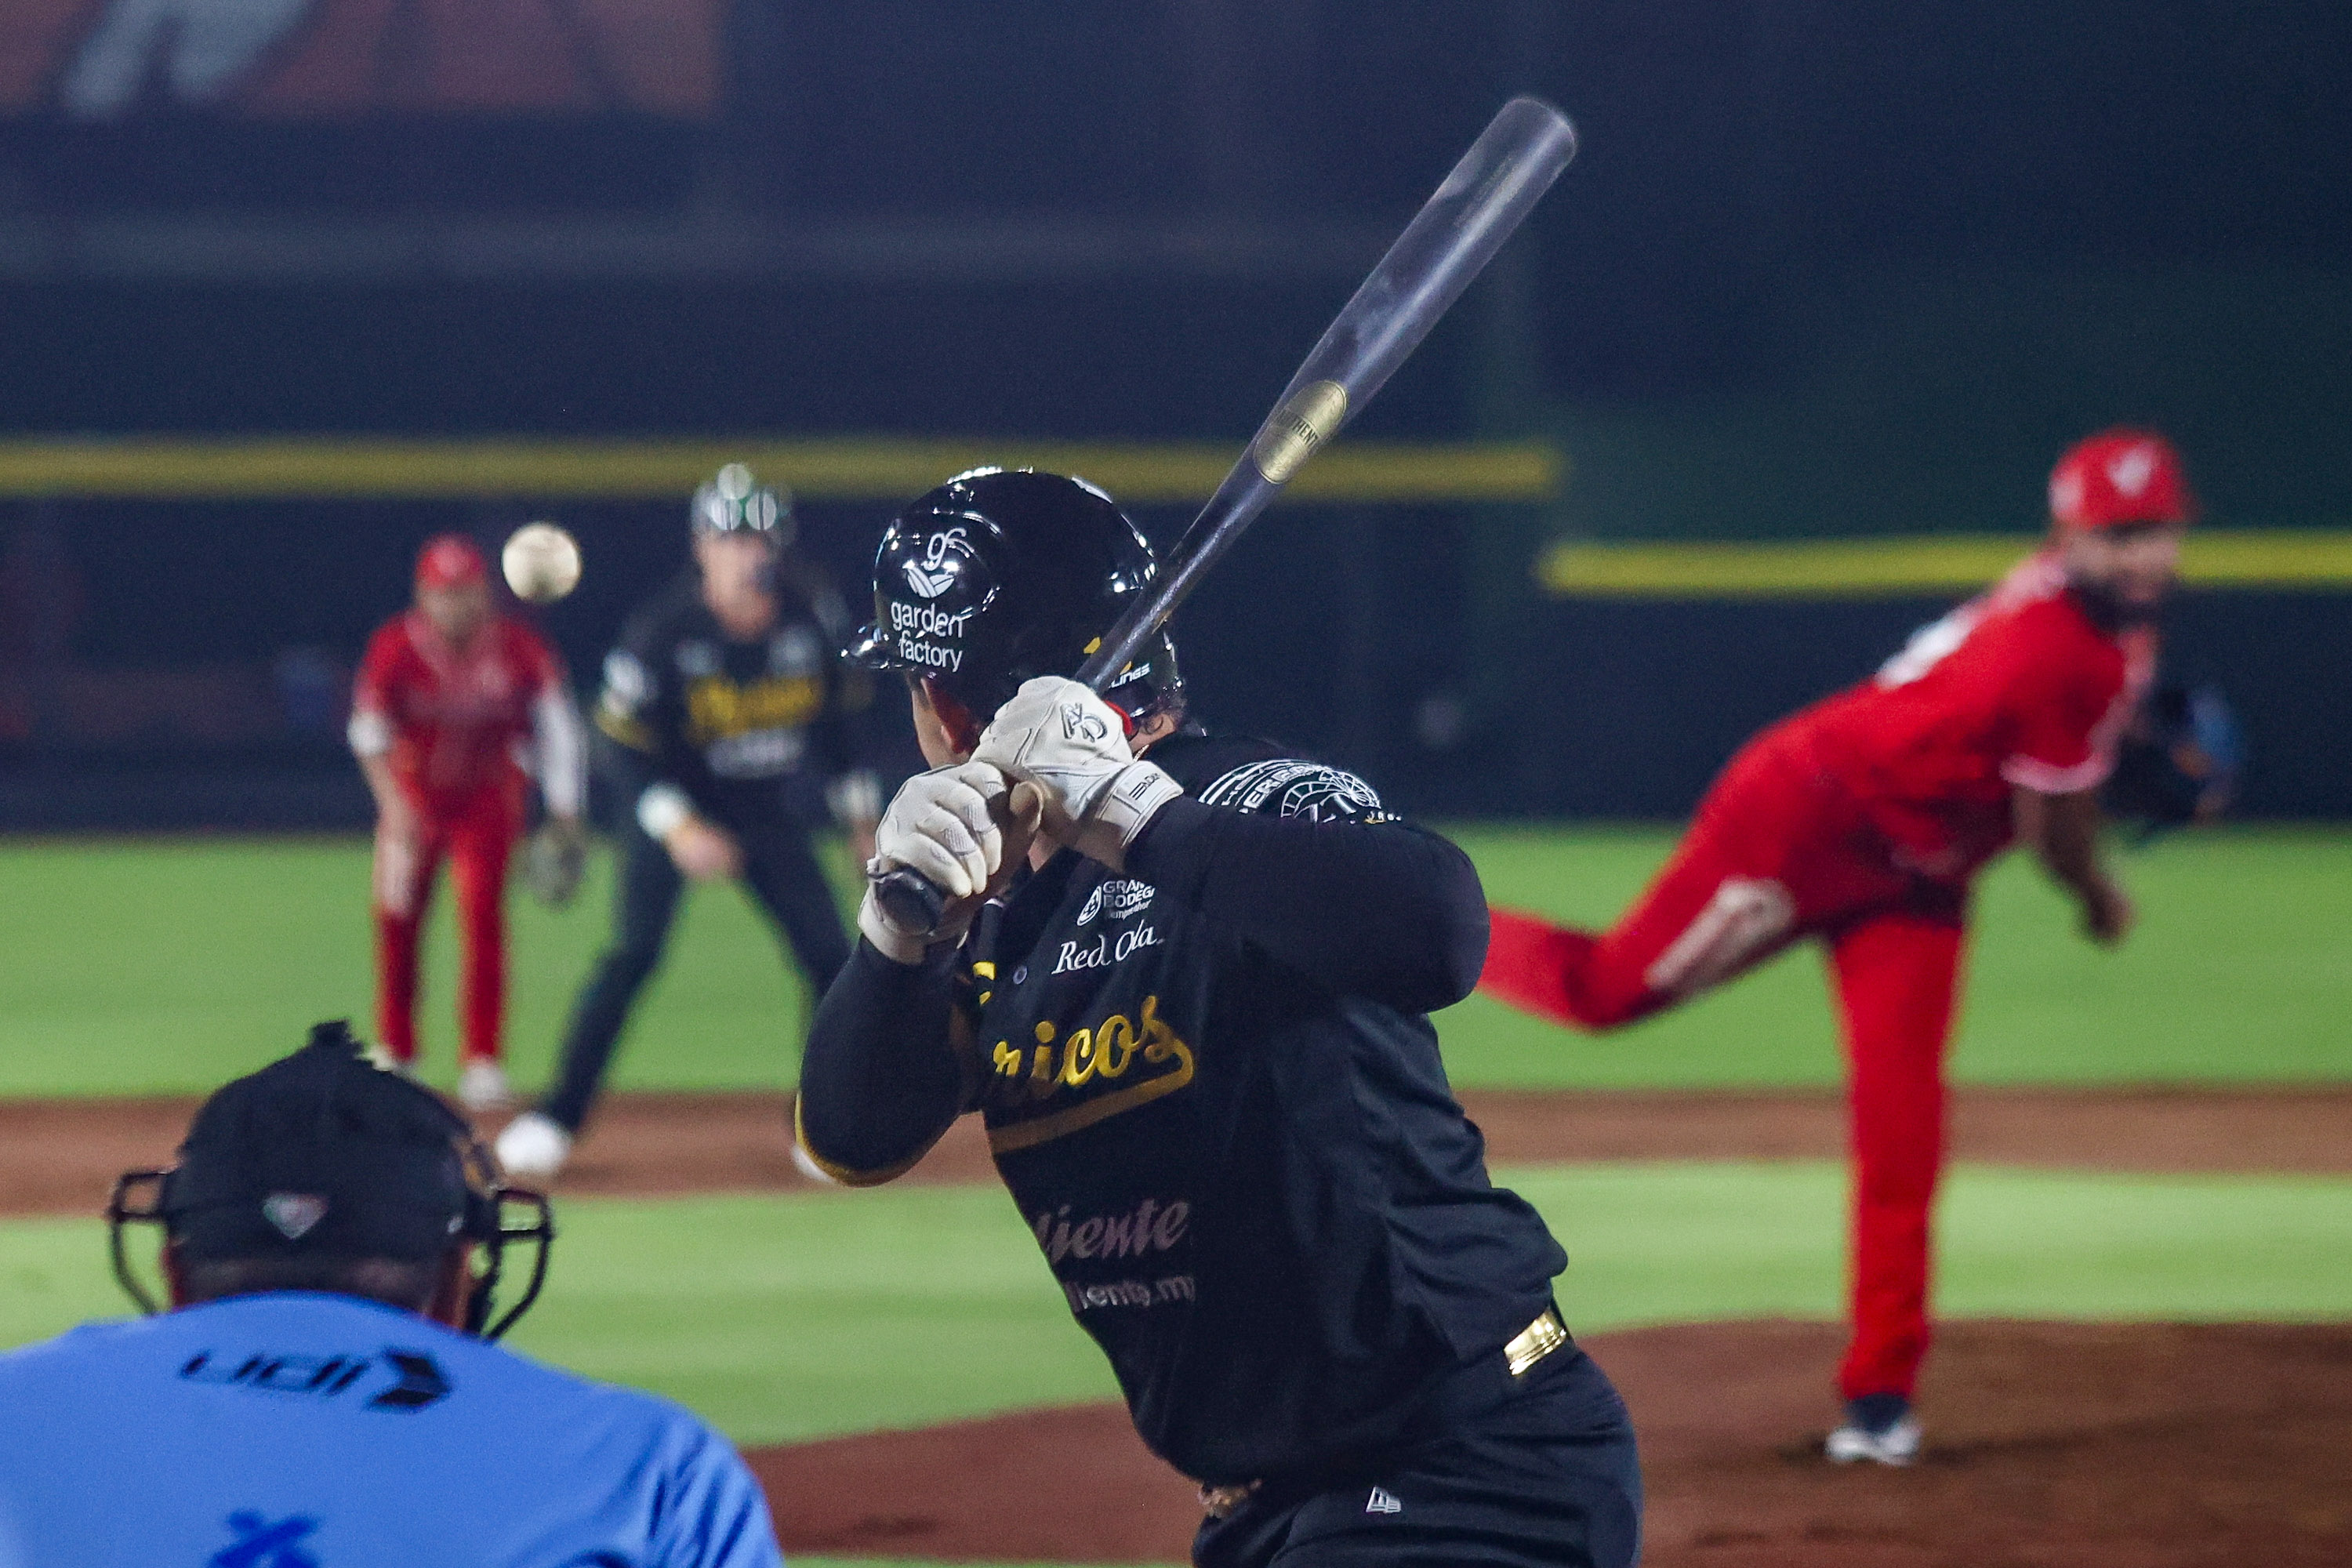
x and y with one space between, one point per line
1457 231
1482 203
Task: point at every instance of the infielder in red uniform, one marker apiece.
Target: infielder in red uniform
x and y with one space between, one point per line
1861 821
451 697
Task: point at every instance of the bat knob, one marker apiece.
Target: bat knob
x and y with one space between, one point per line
910 900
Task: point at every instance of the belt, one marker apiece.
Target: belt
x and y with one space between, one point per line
1528 1346
1535 1341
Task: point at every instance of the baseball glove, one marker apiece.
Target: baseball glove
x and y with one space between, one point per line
2179 761
553 861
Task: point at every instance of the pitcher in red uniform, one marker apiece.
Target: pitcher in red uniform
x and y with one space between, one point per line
451 698
1861 821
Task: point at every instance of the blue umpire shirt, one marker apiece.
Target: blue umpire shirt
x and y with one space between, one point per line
297 1430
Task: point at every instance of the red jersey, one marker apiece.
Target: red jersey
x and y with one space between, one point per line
2017 686
451 720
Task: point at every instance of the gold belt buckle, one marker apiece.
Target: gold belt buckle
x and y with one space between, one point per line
1219 1502
1535 1341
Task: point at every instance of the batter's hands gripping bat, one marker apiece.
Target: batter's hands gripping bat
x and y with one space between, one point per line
1456 234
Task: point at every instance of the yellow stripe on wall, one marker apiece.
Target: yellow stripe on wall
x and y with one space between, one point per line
866 469
1941 563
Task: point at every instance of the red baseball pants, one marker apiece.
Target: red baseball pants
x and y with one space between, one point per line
476 833
1777 853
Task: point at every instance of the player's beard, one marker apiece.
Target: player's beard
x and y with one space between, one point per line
2111 611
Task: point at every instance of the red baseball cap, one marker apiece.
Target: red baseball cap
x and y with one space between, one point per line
449 560
2119 477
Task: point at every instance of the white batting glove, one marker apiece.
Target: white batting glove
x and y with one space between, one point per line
1058 735
939 825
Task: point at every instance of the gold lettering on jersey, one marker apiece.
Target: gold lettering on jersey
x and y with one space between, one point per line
1104 1053
717 708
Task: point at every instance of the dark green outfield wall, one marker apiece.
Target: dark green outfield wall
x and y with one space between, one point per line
1631 706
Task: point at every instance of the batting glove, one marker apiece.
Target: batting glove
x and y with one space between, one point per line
1058 735
939 825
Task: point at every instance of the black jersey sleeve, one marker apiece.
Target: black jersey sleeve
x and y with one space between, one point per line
879 1078
1300 861
637 708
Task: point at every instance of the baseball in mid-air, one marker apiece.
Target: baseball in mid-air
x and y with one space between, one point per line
541 563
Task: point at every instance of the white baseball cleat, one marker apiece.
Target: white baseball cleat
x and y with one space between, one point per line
1879 1428
533 1147
483 1087
810 1169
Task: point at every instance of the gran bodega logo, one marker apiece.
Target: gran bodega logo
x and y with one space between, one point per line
1091 1068
1118 897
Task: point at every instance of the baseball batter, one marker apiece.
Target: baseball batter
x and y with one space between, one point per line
450 697
323 1394
1184 980
1862 821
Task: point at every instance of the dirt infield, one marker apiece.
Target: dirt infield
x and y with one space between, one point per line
60 1156
2087 1446
2084 1445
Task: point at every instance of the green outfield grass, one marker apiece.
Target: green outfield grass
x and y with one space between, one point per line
785 1318
150 965
2240 971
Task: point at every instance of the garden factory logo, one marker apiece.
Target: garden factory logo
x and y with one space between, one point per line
918 626
1117 898
935 573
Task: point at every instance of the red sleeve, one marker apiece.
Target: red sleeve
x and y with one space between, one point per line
2068 699
372 688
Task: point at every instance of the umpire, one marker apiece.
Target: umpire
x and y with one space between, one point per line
324 1391
727 711
1191 1009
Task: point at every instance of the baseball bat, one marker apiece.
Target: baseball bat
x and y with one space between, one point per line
1457 231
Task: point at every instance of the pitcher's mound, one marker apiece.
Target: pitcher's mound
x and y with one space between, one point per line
2049 1446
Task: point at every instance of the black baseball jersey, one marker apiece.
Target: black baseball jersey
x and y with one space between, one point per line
1209 1083
733 724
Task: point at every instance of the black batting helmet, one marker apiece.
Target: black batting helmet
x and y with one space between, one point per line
999 576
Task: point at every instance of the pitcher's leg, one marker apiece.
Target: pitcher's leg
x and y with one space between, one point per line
1718 907
1896 976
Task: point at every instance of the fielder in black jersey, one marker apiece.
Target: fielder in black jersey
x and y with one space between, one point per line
1185 981
726 714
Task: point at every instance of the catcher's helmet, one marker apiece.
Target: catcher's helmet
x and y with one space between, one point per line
999 576
733 502
2119 478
